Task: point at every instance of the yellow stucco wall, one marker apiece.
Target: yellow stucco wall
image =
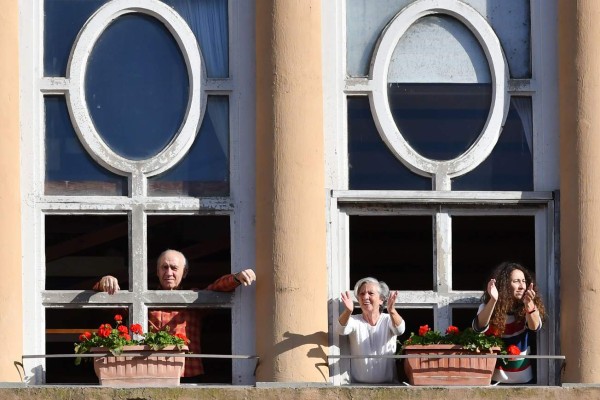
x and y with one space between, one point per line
291 299
11 321
579 76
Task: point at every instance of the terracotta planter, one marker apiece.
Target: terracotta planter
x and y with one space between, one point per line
127 370
447 371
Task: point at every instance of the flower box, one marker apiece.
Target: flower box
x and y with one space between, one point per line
448 371
124 370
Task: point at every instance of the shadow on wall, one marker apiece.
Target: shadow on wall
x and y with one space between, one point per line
294 340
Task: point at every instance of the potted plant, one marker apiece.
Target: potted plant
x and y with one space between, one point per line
121 369
451 371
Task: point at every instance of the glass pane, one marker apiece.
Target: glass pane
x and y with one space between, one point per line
214 338
413 317
62 21
511 22
208 19
440 121
370 162
438 49
204 240
480 243
510 165
69 168
63 327
394 249
137 110
82 248
366 19
204 171
462 317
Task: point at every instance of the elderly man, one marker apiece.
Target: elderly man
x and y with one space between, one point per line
171 268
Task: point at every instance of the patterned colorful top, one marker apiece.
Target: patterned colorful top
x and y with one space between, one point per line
517 370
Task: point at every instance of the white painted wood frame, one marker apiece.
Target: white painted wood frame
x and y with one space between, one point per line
239 205
442 204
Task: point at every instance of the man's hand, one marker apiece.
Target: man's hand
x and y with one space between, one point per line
246 277
108 284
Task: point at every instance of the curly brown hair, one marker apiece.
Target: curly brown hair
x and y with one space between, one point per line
506 302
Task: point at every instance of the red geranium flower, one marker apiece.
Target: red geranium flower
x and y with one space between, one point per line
85 336
182 337
452 330
492 331
122 329
136 328
423 330
126 336
513 350
104 330
118 318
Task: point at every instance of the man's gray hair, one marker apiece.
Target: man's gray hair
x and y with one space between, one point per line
384 290
161 255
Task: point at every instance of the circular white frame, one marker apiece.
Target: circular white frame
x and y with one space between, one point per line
78 108
378 97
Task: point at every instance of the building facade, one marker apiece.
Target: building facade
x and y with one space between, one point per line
418 141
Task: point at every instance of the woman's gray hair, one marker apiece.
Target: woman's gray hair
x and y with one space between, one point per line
384 290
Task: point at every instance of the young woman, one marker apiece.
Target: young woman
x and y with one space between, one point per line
371 332
512 310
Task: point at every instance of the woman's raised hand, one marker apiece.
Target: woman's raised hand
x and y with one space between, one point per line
492 290
347 300
528 298
391 302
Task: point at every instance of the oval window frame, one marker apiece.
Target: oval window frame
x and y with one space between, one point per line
75 93
441 170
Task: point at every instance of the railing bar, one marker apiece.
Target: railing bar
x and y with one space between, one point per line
139 354
451 356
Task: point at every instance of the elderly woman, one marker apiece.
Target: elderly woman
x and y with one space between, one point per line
371 332
512 310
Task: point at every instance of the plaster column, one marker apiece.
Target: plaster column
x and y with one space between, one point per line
291 299
579 85
11 320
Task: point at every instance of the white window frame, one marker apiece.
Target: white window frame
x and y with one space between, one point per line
542 202
239 205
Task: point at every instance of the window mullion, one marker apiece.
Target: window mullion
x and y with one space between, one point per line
442 231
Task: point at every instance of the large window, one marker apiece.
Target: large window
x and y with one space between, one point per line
442 155
135 147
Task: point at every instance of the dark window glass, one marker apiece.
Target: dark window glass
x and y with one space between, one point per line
82 248
440 121
480 243
371 164
462 317
204 171
394 249
510 165
137 86
413 318
215 339
204 240
69 167
62 21
208 19
63 327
